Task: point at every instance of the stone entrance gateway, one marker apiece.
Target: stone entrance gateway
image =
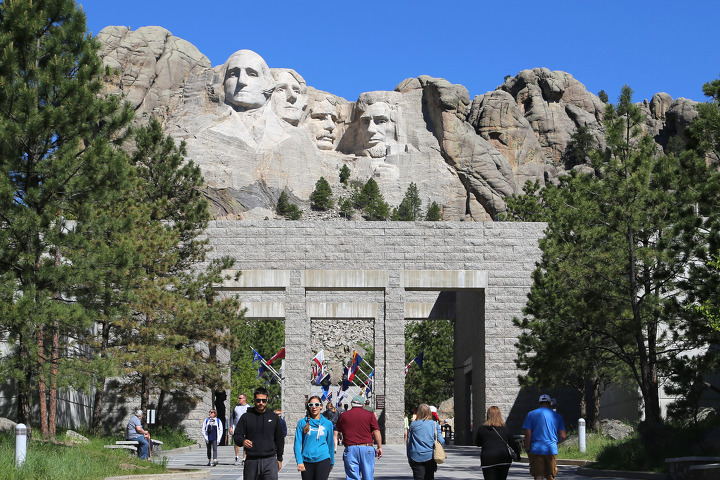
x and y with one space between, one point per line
475 274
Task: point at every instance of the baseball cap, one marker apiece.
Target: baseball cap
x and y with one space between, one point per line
545 398
433 409
138 412
358 400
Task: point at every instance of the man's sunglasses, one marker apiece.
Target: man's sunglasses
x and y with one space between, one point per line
261 400
314 404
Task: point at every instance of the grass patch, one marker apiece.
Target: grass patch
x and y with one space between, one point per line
80 461
594 445
171 437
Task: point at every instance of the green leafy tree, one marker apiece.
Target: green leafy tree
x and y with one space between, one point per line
344 174
433 213
434 382
57 155
371 201
321 197
623 242
603 96
704 132
410 206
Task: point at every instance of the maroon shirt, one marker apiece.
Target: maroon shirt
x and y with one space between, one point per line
357 425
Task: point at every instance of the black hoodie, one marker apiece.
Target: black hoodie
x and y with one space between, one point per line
264 431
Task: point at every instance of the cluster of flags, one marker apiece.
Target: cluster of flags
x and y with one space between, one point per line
265 365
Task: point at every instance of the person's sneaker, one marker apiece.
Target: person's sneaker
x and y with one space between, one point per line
237 462
214 463
243 462
208 464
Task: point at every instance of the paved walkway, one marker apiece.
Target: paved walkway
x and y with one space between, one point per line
463 463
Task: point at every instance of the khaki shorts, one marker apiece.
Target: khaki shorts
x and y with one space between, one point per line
543 466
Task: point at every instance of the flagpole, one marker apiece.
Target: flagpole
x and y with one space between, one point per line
268 367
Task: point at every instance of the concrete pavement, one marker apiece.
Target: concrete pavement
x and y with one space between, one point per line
463 463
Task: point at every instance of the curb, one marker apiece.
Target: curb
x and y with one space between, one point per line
195 474
591 472
175 451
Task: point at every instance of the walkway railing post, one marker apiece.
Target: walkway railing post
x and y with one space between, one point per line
581 435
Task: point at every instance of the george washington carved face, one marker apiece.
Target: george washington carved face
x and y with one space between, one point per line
248 83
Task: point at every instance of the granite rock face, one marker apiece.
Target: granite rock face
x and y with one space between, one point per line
257 131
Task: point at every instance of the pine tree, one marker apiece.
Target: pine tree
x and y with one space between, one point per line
618 248
321 197
344 174
58 158
346 208
286 208
370 200
410 206
433 213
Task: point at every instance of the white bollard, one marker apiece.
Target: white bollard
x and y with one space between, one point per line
581 435
20 444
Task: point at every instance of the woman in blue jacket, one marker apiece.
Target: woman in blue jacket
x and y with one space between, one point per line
421 437
314 443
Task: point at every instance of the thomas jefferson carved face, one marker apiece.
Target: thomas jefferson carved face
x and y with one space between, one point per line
378 128
322 123
290 96
248 83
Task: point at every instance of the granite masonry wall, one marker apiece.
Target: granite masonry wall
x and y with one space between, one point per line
476 274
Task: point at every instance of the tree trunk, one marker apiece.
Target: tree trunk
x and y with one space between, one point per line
53 378
42 394
159 408
144 398
595 416
100 392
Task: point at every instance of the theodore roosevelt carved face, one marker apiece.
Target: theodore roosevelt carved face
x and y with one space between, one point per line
322 124
290 97
248 83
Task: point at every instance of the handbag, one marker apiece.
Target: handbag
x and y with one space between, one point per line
439 454
511 452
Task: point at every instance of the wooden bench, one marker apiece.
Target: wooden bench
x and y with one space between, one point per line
132 446
681 468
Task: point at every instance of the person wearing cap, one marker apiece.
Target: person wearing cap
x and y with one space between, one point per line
544 430
135 431
359 427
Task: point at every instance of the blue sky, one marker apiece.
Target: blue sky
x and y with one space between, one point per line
347 47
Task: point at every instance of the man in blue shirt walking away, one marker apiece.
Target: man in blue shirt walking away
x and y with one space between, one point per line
544 430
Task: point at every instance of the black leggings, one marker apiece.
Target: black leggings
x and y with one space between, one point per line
423 470
211 449
498 472
316 471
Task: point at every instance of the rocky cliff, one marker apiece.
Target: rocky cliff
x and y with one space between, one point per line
256 131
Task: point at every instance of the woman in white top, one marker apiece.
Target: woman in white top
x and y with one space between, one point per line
212 431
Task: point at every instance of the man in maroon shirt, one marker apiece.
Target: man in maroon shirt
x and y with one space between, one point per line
358 427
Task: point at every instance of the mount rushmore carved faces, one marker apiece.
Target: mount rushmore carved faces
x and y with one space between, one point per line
248 82
290 97
378 127
322 124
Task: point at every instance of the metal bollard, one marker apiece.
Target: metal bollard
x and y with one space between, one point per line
581 435
20 444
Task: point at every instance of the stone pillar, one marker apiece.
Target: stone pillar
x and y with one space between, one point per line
297 353
393 362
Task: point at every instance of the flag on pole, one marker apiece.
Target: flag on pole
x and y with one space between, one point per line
320 358
418 360
280 354
354 365
329 396
261 370
256 356
368 383
345 381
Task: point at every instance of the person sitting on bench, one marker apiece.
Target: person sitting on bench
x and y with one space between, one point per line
136 432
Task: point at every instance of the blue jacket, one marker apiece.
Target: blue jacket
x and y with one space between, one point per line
421 438
316 445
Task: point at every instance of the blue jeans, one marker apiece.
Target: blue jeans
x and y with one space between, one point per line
359 462
144 446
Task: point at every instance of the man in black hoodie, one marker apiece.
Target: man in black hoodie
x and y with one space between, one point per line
259 432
